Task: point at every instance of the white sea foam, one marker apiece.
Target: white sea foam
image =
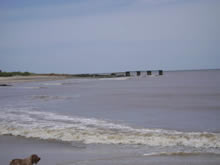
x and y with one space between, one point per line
47 125
116 78
33 87
52 84
177 153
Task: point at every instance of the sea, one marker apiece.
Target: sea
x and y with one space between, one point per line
177 113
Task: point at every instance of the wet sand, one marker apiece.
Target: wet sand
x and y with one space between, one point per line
53 153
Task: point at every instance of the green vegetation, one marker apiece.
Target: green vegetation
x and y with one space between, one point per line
93 75
9 74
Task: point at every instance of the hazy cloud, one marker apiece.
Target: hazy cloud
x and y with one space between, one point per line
90 32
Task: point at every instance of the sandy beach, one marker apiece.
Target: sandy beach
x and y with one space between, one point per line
53 153
37 78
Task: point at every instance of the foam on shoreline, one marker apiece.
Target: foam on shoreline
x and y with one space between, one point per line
51 126
52 153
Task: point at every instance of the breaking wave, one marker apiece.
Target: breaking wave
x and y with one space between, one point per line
52 126
181 153
117 78
49 98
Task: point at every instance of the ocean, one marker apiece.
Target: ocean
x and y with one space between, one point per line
173 115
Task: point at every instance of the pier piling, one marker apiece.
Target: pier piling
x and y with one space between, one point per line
128 74
160 72
149 72
138 73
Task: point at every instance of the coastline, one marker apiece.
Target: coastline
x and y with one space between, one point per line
17 107
7 81
57 153
33 78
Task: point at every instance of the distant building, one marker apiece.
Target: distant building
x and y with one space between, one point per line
0 70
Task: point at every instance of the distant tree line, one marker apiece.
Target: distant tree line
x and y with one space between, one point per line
9 74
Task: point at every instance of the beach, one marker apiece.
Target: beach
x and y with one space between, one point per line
19 79
63 154
170 119
53 153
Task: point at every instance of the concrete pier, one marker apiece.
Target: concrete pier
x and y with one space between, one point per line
128 74
138 73
149 72
143 73
160 72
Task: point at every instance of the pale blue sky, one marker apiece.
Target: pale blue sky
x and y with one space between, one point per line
87 36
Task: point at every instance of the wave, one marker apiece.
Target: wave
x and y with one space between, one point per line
52 84
181 153
117 78
48 98
30 87
52 126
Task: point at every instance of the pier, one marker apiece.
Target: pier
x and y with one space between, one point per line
139 73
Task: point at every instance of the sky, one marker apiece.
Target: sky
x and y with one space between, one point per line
100 36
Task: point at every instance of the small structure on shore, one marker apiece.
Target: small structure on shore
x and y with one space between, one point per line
127 74
149 72
138 73
160 72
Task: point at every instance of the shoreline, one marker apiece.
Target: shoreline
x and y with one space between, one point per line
7 81
58 153
35 78
65 105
